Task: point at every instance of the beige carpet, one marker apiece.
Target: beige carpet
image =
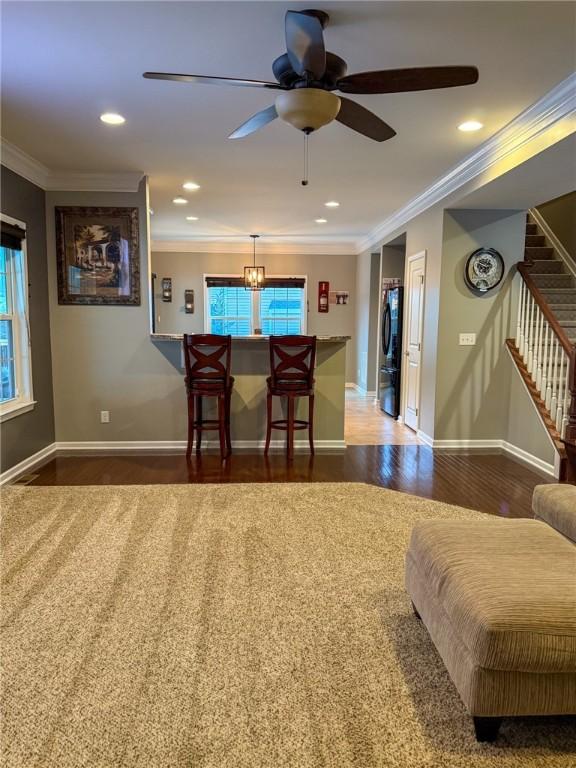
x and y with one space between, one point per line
231 626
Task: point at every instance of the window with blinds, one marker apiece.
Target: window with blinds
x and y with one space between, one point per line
229 310
278 309
15 369
281 311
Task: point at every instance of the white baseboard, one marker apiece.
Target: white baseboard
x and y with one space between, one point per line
32 462
495 445
179 446
360 390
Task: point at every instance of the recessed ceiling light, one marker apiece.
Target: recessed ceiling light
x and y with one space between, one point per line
191 218
332 204
191 185
321 221
180 200
112 118
470 125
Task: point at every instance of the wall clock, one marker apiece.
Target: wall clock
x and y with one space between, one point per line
484 270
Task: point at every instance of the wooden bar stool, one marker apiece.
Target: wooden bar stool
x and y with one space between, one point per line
207 375
292 361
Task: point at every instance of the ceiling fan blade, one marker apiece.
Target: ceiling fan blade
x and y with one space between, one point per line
414 79
257 121
305 44
207 80
363 121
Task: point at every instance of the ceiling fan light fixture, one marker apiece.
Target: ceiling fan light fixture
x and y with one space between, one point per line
307 109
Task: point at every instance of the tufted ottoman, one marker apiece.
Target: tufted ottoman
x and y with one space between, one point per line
498 598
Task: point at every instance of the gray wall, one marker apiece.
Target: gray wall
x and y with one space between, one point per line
104 359
560 215
524 428
472 382
29 432
187 271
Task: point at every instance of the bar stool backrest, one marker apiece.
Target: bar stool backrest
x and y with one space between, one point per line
292 360
207 360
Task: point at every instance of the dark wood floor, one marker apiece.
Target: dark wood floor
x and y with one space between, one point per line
490 483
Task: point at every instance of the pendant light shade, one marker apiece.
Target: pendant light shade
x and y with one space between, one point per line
254 275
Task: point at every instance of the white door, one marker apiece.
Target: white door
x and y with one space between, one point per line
414 299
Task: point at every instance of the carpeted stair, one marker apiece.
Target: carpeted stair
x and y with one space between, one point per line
552 277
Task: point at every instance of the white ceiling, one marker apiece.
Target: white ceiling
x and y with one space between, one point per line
64 63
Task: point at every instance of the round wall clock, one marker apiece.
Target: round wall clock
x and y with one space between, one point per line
484 270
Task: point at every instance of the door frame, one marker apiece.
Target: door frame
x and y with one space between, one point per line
403 374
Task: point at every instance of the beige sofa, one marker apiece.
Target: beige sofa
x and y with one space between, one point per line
498 598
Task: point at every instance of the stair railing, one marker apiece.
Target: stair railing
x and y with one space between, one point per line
548 354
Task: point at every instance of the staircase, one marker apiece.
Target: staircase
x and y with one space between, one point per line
552 277
544 349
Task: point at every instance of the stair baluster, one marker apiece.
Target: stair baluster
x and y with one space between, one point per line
539 350
520 323
530 354
554 399
561 393
544 380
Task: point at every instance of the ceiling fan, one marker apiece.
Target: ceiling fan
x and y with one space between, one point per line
307 74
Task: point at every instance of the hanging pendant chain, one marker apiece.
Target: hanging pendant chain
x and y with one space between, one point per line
306 160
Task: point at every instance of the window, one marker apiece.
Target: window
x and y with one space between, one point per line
15 369
229 310
280 308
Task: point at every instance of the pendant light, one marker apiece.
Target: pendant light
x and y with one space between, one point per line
254 276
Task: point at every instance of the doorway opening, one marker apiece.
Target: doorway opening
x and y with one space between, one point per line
374 410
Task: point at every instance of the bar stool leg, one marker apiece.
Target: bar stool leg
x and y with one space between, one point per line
200 422
311 423
290 427
228 410
222 425
190 426
268 422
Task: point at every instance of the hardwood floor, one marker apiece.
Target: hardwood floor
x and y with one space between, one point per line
489 483
366 424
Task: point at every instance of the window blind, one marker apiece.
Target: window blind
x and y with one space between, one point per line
12 236
269 282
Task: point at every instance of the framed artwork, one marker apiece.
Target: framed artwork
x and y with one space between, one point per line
339 297
98 256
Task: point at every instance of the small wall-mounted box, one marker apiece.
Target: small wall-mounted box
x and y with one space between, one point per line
189 301
166 289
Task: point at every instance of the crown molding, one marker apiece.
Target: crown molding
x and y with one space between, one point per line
62 181
556 110
18 161
306 246
59 181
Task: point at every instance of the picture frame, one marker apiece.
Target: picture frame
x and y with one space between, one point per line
98 255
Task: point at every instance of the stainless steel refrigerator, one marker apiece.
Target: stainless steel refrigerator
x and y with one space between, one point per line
391 361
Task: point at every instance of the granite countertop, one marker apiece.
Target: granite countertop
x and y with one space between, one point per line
259 338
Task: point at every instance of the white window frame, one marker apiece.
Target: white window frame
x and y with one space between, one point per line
255 315
20 317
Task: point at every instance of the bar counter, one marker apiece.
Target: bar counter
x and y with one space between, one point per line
251 367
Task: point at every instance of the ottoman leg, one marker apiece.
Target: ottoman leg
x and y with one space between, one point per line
487 728
416 612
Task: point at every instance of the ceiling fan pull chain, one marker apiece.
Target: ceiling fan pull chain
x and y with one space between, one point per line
306 162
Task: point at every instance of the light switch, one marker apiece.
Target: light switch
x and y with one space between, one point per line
467 339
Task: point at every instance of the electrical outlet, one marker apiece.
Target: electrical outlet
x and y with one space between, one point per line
104 417
467 339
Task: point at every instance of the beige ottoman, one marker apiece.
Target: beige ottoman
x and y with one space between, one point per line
498 598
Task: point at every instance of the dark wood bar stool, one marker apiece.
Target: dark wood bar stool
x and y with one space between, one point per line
207 361
292 360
